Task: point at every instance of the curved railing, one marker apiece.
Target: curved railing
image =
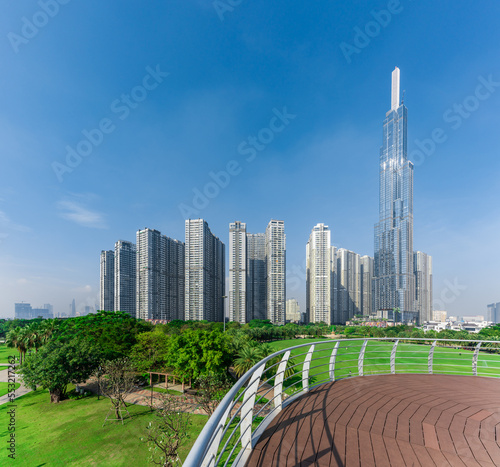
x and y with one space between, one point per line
263 391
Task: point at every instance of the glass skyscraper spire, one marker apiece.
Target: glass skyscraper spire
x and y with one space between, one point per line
394 282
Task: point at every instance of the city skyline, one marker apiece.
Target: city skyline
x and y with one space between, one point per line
250 123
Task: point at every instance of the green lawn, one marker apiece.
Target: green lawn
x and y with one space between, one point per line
410 358
71 433
4 388
173 392
5 352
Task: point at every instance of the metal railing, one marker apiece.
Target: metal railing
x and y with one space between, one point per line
263 391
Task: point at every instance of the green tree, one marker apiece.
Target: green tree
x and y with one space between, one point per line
16 339
150 353
114 332
58 364
195 352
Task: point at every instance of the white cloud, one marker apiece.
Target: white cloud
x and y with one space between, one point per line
81 215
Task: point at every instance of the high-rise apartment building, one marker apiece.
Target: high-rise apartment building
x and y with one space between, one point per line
276 271
238 272
394 280
256 286
107 283
159 276
422 266
23 310
125 277
366 284
347 285
318 275
205 273
493 312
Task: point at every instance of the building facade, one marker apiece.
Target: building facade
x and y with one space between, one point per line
238 272
493 312
204 273
318 275
256 286
125 277
346 286
276 271
107 283
422 266
366 284
293 314
159 276
394 280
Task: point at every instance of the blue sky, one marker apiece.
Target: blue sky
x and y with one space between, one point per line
229 72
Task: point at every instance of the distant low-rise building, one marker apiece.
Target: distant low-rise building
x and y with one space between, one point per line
439 315
293 314
26 311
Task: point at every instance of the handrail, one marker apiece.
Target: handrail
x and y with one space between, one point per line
205 451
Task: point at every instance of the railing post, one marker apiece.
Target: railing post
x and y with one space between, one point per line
474 359
278 381
211 455
393 357
247 408
305 369
333 357
361 357
431 357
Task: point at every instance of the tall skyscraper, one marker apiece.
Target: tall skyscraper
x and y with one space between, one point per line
394 282
276 271
422 266
205 273
318 275
237 272
125 277
347 285
160 276
366 283
107 283
256 288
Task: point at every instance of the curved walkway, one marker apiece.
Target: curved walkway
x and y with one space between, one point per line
20 391
396 420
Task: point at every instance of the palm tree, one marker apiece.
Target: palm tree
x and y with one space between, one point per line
47 328
15 339
247 358
32 337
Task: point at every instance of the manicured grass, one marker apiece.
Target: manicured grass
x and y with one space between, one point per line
173 392
410 358
71 433
4 388
5 352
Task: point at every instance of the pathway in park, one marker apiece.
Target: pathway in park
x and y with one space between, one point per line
20 391
187 402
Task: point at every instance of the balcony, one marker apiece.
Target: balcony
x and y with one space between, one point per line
361 402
